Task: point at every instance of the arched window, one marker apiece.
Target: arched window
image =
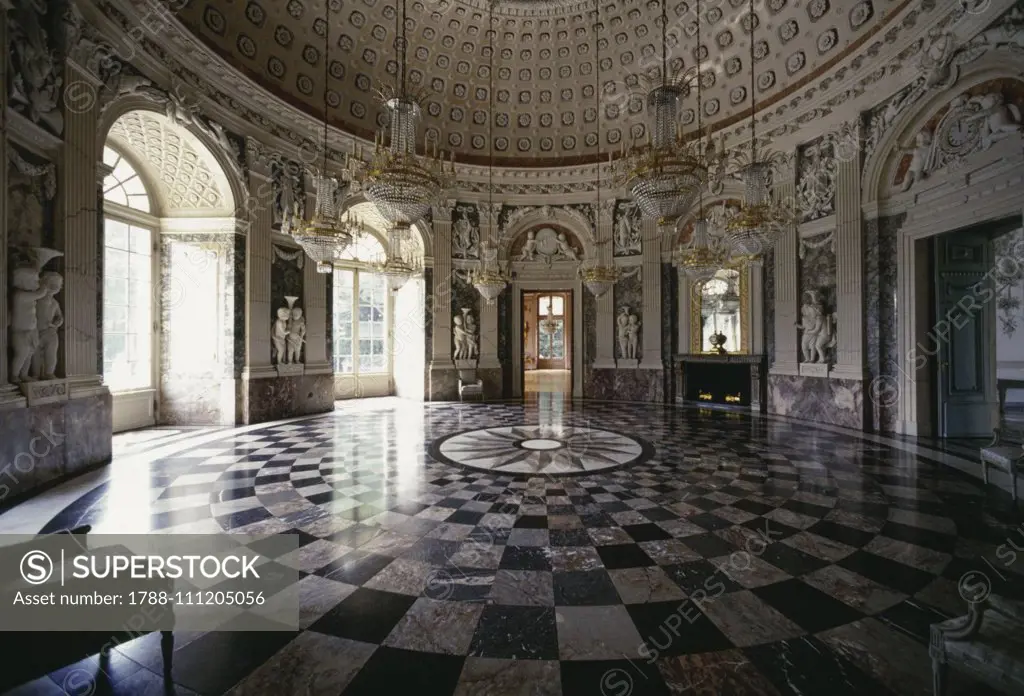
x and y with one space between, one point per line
127 278
123 185
362 310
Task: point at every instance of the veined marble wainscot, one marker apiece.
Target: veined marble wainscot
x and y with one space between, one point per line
730 380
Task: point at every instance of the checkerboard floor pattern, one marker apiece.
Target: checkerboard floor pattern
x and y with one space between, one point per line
742 557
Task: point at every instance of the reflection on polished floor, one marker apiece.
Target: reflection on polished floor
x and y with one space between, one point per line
681 551
547 381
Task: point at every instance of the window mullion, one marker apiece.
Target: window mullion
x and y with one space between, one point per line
355 324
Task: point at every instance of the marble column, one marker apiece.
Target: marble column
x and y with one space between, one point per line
9 396
78 237
489 232
259 257
442 371
787 359
314 300
650 277
604 357
849 272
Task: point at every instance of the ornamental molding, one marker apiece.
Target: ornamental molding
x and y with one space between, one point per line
250 110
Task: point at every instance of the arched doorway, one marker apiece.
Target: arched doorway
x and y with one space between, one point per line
169 253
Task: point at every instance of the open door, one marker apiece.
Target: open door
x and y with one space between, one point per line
962 340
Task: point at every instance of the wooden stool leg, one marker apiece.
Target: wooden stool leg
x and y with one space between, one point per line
167 650
984 471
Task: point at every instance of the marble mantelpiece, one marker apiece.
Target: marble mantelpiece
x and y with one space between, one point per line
757 366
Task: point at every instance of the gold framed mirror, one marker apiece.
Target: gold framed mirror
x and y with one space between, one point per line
720 307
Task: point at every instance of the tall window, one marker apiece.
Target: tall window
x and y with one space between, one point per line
361 312
127 280
551 319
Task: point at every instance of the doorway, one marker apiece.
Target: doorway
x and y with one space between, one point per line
963 338
547 347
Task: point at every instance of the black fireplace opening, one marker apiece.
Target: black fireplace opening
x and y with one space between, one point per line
727 384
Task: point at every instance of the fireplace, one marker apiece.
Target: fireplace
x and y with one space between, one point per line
718 384
727 380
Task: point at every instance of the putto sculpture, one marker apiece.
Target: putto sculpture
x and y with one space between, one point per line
818 330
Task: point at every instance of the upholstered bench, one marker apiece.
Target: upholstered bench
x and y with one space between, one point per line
987 644
1005 452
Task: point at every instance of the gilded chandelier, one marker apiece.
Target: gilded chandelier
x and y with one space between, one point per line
327 234
754 229
597 277
401 183
666 174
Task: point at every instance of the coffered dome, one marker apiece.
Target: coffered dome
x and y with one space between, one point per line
545 108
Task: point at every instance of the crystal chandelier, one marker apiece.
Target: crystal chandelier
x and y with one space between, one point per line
489 279
759 222
402 184
597 278
703 254
399 265
326 235
665 175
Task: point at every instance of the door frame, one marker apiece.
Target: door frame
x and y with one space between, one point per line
575 287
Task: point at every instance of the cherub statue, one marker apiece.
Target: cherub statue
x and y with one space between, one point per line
529 247
459 339
632 336
279 334
24 327
622 329
816 328
49 319
999 118
565 249
296 335
918 160
470 337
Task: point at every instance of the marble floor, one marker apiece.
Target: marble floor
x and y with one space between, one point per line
670 551
547 381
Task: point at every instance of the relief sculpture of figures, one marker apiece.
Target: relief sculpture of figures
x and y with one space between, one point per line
529 247
918 160
999 119
632 337
37 81
49 318
464 336
288 333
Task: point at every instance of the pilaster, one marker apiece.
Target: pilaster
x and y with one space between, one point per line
489 232
849 272
9 396
258 260
686 291
441 320
787 359
650 277
604 356
755 281
78 237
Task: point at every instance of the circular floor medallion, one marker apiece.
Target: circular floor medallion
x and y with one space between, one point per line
540 449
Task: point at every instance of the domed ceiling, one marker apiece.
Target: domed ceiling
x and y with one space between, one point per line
545 107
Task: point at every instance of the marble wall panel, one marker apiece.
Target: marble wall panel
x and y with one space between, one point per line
629 294
589 328
505 338
818 272
235 279
646 386
330 318
819 399
41 445
882 361
768 277
288 397
669 326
